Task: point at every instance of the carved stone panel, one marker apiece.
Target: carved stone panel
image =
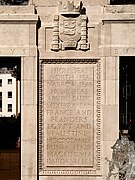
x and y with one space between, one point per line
69 121
70 27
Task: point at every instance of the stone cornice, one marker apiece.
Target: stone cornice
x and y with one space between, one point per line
18 18
118 17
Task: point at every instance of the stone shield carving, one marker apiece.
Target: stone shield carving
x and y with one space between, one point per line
69 31
70 28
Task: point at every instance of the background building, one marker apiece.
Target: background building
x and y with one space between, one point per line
9 93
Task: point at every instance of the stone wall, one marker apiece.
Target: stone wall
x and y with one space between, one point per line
76 60
18 39
53 163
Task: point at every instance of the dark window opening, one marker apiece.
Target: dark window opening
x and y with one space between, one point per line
0 82
9 94
9 107
127 95
9 81
10 126
14 2
0 101
120 2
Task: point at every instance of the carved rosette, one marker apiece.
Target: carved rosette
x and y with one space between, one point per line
70 28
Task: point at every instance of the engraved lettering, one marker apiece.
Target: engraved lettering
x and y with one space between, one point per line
24 51
68 109
125 50
116 50
12 51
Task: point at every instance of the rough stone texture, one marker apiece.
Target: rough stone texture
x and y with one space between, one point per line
110 32
71 103
99 32
54 2
17 10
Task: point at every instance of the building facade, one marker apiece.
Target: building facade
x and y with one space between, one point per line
9 93
72 60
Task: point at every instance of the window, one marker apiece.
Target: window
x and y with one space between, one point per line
0 101
9 81
9 94
122 2
0 82
9 107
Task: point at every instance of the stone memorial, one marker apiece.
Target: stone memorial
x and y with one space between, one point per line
70 117
70 55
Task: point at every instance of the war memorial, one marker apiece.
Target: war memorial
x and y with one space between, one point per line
71 55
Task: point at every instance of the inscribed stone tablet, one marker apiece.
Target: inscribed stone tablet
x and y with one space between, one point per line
69 115
68 110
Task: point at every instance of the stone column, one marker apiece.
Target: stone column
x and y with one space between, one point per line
29 118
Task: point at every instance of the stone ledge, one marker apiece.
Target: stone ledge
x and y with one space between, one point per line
17 9
119 17
126 8
18 18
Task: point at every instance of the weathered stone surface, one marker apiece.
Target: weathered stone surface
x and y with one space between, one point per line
120 9
78 90
55 2
17 10
69 116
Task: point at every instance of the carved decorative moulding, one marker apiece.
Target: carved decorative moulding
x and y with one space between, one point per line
69 117
70 27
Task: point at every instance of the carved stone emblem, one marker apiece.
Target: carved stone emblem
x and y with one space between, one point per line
70 28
